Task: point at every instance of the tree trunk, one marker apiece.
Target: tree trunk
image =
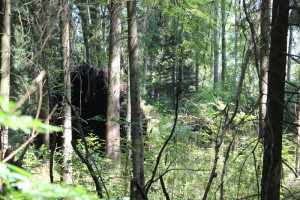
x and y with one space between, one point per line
46 87
67 121
136 132
297 153
5 66
271 174
235 41
113 97
83 13
216 47
146 51
224 60
246 60
290 52
145 72
264 61
181 57
98 31
197 71
128 137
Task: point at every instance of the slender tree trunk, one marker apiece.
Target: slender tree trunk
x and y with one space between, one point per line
136 132
67 121
264 61
297 153
224 60
128 136
103 26
216 46
197 71
146 51
271 174
96 22
235 41
290 52
175 67
145 72
153 78
181 58
128 154
83 13
5 66
113 97
46 87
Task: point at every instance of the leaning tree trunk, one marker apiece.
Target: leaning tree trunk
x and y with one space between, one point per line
271 174
113 97
5 65
264 61
67 123
136 131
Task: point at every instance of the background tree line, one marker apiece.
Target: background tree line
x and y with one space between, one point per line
218 83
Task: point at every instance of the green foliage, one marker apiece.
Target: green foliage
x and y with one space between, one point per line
16 121
17 181
19 186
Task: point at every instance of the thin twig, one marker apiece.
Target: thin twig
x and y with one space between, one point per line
31 89
164 188
150 182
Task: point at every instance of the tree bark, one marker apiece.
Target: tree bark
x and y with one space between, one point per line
113 97
197 71
224 60
216 47
271 174
136 134
264 61
181 57
98 31
146 52
67 121
46 86
235 41
297 153
128 136
5 66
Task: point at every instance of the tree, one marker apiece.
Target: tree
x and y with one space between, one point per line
264 61
67 118
136 130
113 97
84 15
288 78
5 65
224 60
98 28
216 46
271 174
297 160
146 51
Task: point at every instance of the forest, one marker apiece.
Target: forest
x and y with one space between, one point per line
160 99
